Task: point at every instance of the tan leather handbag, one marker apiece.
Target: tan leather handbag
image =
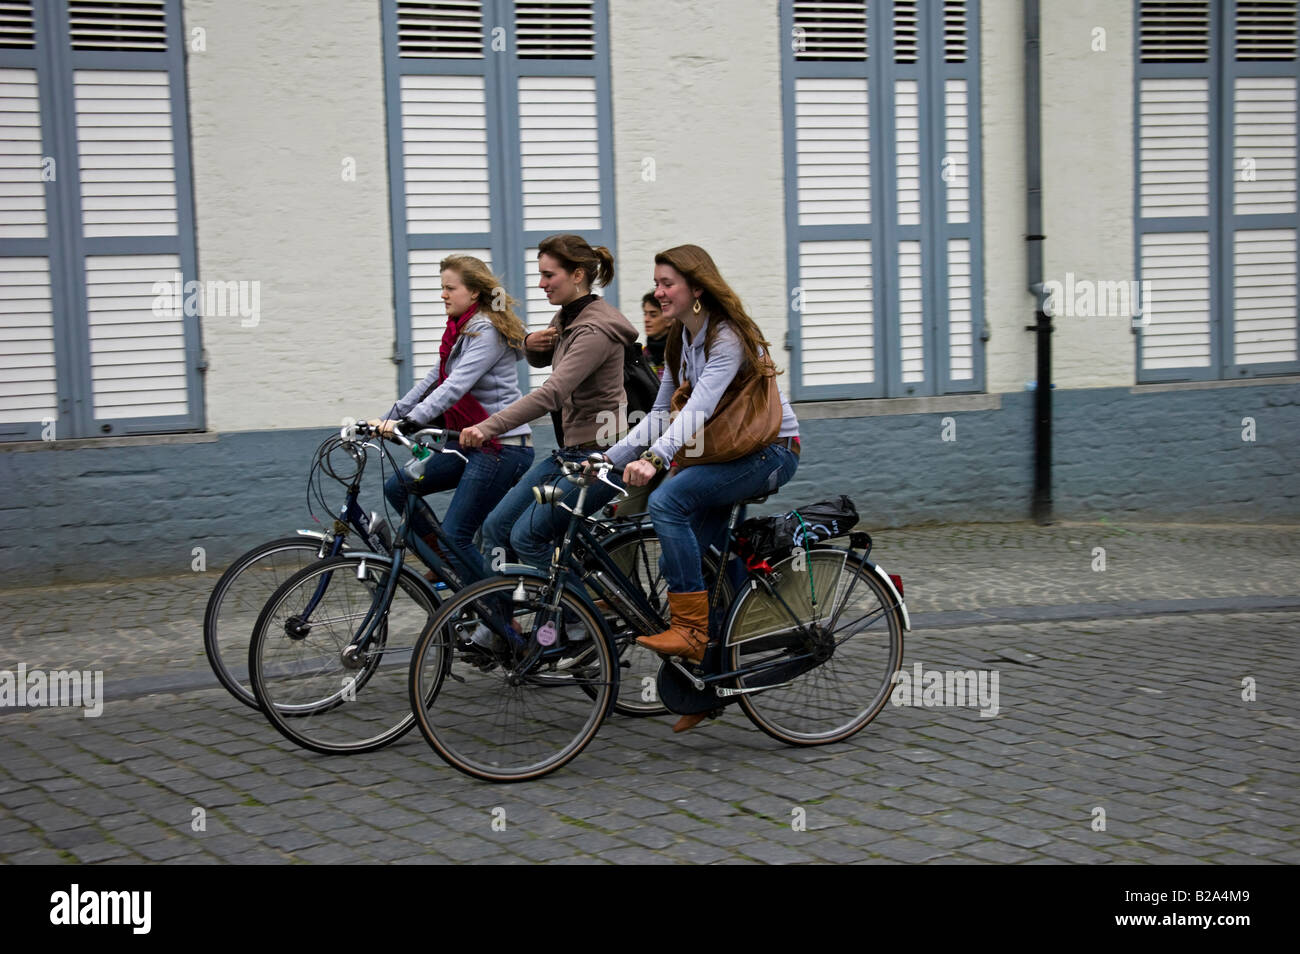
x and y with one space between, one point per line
747 418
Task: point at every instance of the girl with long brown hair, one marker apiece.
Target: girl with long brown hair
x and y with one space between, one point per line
712 345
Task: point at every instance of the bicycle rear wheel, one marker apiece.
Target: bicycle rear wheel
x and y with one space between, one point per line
491 717
312 691
237 601
802 701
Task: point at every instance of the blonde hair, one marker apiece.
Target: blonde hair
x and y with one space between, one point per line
479 278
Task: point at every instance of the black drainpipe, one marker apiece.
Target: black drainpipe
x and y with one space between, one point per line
1042 506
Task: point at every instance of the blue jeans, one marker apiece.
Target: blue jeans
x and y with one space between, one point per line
690 509
480 484
530 529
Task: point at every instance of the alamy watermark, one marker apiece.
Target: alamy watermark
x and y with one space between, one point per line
211 299
612 425
60 687
75 906
931 688
1085 298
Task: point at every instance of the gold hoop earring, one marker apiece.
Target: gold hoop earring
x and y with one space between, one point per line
696 309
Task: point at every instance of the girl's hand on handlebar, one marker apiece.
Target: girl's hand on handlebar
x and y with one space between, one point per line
638 473
384 428
472 437
589 465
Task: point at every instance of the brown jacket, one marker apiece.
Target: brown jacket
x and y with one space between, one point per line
586 377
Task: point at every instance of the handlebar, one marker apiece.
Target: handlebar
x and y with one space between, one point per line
596 464
437 437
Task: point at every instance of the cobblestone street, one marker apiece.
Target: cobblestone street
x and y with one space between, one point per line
1147 711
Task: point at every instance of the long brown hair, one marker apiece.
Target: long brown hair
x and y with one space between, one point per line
573 252
479 278
723 305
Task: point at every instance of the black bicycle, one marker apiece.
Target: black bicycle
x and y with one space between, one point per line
809 647
330 648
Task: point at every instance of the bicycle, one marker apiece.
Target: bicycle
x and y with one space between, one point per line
506 719
243 589
338 626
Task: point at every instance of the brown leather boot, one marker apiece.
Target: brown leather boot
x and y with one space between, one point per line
688 633
690 721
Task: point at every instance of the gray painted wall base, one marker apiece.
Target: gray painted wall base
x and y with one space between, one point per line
91 512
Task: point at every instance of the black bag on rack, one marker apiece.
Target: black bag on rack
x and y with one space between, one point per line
778 535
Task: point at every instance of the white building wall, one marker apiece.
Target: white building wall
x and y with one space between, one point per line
1008 305
1088 180
698 147
283 94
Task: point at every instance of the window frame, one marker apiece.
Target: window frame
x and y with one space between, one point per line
883 232
65 245
1222 222
506 239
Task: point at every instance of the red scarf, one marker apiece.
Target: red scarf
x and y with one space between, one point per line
467 411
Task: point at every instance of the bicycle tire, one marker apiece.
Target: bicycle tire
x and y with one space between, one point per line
832 700
306 689
493 720
237 601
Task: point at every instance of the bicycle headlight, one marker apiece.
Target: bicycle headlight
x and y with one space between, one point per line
547 494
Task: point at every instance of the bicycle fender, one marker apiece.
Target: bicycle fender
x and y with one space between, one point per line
884 579
318 534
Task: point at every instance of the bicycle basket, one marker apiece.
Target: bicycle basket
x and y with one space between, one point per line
778 535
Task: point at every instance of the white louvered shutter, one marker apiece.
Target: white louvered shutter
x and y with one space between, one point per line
961 332
911 315
555 29
830 30
128 188
1176 314
558 150
907 148
956 171
428 314
1264 296
1174 158
113 287
1174 181
440 29
137 335
561 146
444 149
118 25
22 191
834 189
128 165
28 390
1264 145
832 151
836 304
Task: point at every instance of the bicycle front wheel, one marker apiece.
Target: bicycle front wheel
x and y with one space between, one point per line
315 684
504 715
858 628
237 601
